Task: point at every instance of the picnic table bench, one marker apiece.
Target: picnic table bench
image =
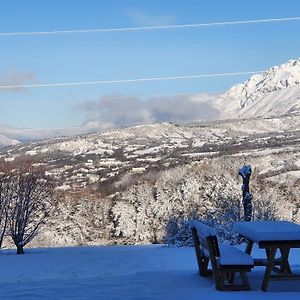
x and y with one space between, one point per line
272 236
225 260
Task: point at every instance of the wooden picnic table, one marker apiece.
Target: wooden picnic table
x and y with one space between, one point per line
272 236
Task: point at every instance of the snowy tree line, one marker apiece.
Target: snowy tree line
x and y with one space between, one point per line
153 207
159 211
156 206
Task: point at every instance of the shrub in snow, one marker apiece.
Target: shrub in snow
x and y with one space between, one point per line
225 213
178 232
221 217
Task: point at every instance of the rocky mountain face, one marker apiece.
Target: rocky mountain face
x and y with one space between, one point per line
272 93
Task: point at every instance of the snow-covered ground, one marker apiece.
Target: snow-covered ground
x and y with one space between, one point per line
122 272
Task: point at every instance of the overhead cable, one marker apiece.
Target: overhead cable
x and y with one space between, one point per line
157 27
97 82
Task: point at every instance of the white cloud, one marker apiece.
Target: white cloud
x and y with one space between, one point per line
118 110
13 77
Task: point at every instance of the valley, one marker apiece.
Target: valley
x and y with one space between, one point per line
133 185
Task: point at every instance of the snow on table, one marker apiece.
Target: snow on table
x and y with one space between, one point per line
258 231
119 272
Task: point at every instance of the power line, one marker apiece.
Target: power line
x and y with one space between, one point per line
96 82
158 27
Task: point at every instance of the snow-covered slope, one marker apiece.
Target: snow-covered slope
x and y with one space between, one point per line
275 92
124 185
5 141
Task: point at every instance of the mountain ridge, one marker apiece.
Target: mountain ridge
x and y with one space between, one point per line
272 93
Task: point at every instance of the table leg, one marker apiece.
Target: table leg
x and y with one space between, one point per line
249 247
285 266
271 252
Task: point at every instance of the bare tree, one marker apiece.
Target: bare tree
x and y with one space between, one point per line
29 208
6 196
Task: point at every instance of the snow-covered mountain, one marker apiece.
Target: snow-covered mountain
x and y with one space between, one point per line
272 93
5 141
13 135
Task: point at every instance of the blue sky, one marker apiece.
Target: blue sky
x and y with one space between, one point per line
129 55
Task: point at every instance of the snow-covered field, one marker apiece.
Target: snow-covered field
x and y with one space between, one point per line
122 272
